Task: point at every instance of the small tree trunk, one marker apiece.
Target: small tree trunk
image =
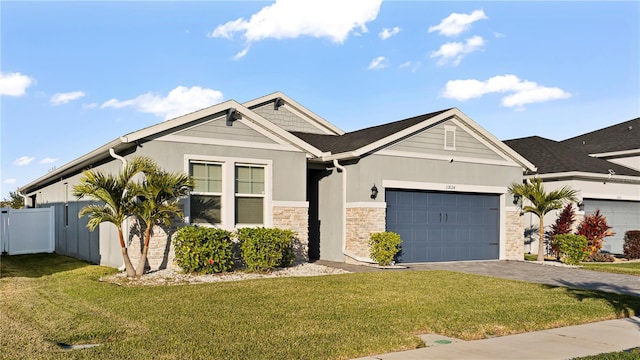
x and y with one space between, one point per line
131 271
145 249
541 241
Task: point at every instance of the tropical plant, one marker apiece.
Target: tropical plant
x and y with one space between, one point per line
572 249
595 228
115 194
14 201
540 202
204 250
563 225
264 249
157 201
631 246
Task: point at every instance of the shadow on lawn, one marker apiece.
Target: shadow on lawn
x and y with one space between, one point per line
37 265
623 299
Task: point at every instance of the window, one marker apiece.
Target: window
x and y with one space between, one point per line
249 194
449 137
206 197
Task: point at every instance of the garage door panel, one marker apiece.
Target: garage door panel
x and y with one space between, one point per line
621 215
456 226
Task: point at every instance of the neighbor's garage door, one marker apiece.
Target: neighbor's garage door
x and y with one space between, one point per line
621 215
439 226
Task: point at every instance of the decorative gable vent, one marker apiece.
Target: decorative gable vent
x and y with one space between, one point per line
449 137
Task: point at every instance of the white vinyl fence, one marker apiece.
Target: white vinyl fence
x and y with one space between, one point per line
27 231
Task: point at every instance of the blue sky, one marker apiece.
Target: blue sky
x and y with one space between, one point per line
76 75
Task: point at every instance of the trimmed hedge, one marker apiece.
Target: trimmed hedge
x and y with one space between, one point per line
204 250
631 246
264 249
572 249
384 246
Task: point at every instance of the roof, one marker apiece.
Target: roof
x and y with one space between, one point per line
619 137
556 157
357 139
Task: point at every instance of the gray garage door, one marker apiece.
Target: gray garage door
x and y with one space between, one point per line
621 215
439 226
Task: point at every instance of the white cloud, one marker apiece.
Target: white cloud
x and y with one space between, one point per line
48 160
23 160
523 91
333 19
454 51
241 54
14 84
378 63
455 24
10 181
413 66
179 101
63 98
387 33
90 106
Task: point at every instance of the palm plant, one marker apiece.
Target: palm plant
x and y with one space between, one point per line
115 194
158 198
540 202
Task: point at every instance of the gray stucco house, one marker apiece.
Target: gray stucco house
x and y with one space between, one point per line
603 165
439 180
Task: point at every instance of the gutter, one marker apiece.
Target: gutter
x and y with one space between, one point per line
24 199
343 170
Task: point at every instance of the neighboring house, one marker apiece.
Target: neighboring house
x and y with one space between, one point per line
439 180
603 165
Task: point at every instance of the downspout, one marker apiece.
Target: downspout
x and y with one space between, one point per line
343 170
126 221
24 199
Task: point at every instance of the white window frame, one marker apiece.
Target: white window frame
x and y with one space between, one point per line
209 193
449 131
228 196
237 195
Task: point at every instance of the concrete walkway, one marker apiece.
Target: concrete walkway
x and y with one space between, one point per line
561 343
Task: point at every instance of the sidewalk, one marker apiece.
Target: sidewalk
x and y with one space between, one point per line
561 343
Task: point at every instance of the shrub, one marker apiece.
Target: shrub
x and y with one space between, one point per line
203 250
595 228
563 225
600 257
631 246
383 247
265 249
572 248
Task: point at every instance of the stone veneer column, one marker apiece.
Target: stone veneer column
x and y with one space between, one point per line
297 220
160 254
361 222
514 235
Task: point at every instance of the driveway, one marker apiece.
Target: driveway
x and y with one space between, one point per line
526 271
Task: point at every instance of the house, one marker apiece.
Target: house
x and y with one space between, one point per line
603 165
439 180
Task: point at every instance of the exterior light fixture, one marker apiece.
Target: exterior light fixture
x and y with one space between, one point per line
516 199
581 206
374 191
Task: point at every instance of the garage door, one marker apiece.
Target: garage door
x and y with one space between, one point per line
621 215
440 226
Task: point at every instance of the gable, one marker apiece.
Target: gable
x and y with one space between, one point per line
447 138
286 119
218 129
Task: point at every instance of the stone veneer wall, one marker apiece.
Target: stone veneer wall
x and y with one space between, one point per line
296 219
514 236
361 222
161 253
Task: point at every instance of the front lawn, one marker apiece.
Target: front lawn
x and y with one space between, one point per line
49 300
628 268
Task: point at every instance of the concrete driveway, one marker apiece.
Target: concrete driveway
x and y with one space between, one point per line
525 271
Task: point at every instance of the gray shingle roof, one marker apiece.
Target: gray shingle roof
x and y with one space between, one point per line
619 137
357 139
550 156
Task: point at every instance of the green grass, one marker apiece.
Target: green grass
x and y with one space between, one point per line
620 355
629 268
48 299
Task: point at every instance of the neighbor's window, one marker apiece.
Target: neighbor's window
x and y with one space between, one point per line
206 197
449 137
249 194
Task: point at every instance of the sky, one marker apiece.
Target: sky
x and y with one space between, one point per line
75 75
